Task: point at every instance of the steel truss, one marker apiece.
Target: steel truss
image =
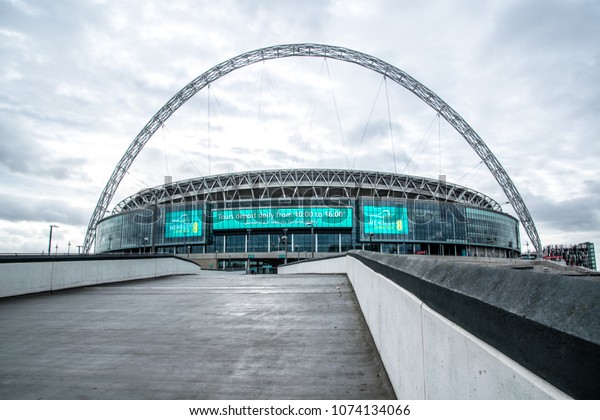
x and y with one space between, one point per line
305 183
313 50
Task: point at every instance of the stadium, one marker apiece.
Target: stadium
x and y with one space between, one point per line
260 219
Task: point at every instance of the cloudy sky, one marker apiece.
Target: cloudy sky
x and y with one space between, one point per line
79 79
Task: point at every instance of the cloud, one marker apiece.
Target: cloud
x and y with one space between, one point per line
33 209
22 154
79 80
577 214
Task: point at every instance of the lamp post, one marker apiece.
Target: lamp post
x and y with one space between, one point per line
50 239
69 248
248 245
312 239
285 239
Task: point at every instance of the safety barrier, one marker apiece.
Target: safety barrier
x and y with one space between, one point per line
28 274
448 330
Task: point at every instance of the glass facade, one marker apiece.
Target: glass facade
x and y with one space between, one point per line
130 230
396 226
412 221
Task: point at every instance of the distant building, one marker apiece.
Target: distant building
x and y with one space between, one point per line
582 255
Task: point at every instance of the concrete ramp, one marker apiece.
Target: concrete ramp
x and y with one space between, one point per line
208 336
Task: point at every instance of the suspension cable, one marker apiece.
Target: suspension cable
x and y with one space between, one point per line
337 114
279 108
310 115
475 168
426 135
208 129
387 98
364 134
138 179
439 145
165 148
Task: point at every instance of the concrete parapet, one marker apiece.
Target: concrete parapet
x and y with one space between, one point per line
25 275
328 265
462 331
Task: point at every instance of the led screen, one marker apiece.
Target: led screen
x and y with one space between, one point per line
385 219
278 217
183 224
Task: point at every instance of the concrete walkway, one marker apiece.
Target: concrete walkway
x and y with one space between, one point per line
212 336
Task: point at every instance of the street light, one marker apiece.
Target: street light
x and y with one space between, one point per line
312 238
50 239
285 239
69 248
248 245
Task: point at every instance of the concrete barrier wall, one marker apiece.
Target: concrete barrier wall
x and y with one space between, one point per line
19 278
457 331
429 357
331 265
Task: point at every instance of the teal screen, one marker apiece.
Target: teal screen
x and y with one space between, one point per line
277 217
183 224
385 220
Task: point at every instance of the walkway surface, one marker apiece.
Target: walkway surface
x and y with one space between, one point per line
211 336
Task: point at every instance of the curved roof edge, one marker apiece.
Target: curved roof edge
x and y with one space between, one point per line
305 183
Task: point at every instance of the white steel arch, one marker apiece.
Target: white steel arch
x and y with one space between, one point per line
313 50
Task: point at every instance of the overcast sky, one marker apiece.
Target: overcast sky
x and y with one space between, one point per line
79 79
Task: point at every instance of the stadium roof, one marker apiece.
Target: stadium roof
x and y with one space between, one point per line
305 183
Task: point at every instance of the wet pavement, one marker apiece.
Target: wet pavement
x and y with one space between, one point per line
209 336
